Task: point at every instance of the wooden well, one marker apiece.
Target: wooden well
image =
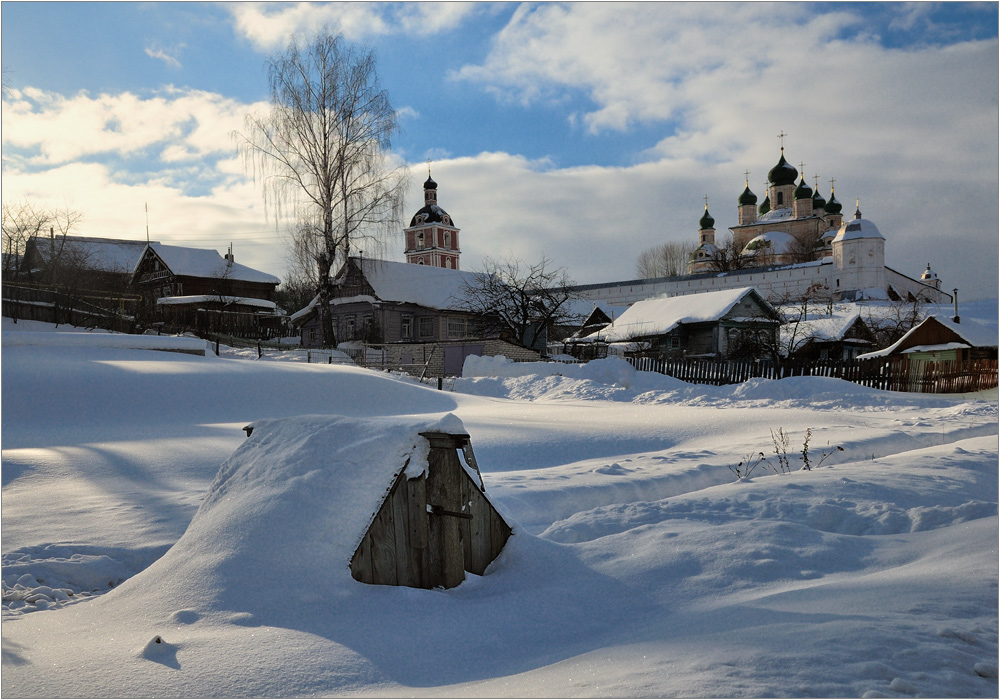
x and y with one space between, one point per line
433 528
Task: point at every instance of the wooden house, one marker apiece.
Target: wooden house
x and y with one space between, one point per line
198 288
835 334
432 528
415 314
736 323
941 339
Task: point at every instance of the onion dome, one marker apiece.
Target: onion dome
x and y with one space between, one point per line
706 220
929 275
803 191
818 201
765 206
429 184
784 173
833 206
431 214
748 198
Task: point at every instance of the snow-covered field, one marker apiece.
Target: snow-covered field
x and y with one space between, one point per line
639 565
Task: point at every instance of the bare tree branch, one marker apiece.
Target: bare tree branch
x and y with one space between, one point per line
323 154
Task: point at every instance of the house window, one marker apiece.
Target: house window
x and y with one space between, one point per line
456 327
312 335
426 327
406 328
366 326
349 322
675 342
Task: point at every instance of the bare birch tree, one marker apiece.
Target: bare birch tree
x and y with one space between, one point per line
664 260
323 153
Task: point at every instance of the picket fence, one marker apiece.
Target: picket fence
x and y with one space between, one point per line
896 373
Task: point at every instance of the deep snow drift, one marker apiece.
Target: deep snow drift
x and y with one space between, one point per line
133 564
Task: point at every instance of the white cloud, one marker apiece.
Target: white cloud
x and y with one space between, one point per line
268 26
46 128
160 54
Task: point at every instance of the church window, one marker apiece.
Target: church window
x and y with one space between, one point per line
447 239
781 198
420 239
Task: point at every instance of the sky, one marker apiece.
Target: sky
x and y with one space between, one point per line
584 132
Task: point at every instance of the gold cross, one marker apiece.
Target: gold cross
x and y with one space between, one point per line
706 202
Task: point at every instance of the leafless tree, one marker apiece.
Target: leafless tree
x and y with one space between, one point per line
323 152
526 299
664 260
730 256
24 221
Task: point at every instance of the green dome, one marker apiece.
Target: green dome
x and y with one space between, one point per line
706 220
784 173
748 198
818 201
803 191
764 207
833 206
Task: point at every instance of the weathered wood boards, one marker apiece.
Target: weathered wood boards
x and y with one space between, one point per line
433 528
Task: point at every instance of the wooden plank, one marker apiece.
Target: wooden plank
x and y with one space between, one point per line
417 511
383 549
466 487
405 575
361 562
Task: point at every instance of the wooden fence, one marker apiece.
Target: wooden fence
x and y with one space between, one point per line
897 373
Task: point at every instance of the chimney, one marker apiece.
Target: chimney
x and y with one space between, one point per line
229 256
956 318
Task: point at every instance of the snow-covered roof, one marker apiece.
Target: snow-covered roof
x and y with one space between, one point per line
857 228
104 254
777 215
214 298
205 262
821 326
777 242
971 333
660 316
424 285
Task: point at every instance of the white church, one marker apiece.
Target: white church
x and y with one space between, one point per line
796 244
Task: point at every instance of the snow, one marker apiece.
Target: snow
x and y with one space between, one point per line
150 548
209 298
974 334
853 229
203 262
425 285
106 254
661 315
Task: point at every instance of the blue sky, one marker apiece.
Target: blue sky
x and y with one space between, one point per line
583 132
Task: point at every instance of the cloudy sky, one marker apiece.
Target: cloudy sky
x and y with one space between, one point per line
582 132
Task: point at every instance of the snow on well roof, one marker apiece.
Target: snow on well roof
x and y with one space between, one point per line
294 500
433 287
205 262
662 315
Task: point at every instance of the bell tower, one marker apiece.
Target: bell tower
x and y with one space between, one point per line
432 237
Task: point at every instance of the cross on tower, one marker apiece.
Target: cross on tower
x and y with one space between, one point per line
746 174
706 202
802 169
782 136
831 184
816 181
428 167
